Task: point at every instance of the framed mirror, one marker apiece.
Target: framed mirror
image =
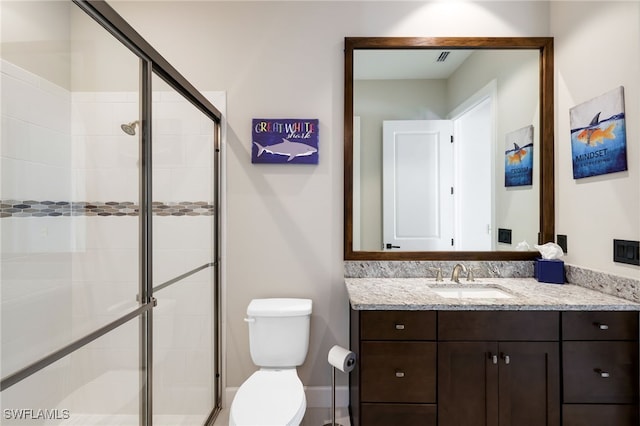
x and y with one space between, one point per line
433 130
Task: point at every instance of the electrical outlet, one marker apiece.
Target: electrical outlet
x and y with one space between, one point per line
625 251
504 236
561 240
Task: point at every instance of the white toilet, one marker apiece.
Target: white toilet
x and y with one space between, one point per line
279 340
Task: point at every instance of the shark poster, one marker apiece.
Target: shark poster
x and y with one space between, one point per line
287 140
598 135
518 157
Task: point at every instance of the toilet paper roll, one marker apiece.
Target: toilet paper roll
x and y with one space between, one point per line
341 358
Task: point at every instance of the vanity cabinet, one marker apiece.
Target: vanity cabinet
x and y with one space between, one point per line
494 368
395 382
600 368
498 368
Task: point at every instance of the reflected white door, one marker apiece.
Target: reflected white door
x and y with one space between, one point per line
417 179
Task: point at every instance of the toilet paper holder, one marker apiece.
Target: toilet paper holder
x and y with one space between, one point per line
345 361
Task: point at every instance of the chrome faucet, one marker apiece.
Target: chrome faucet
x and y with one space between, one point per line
456 272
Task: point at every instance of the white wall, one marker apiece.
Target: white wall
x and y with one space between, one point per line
593 211
34 35
280 60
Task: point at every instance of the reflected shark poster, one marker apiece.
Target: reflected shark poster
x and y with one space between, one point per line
598 135
518 157
287 140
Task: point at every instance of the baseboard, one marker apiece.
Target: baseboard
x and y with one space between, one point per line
317 396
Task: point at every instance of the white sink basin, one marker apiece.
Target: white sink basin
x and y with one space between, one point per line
471 292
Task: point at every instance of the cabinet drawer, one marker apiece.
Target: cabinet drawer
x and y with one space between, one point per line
600 415
600 372
498 325
399 414
397 325
398 372
600 325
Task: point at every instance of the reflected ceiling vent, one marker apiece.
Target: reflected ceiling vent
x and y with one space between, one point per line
443 56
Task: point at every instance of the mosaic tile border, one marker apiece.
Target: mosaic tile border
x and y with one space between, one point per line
32 208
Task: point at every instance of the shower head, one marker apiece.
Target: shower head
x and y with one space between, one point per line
129 128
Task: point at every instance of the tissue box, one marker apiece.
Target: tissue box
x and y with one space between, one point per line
549 271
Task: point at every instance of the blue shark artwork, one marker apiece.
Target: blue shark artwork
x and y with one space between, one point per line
284 141
518 157
598 135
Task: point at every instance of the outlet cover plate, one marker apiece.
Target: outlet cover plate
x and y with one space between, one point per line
625 251
561 240
504 236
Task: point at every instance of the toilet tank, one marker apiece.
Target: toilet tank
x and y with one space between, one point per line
279 331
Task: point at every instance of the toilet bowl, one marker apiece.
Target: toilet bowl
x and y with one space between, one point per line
269 397
279 341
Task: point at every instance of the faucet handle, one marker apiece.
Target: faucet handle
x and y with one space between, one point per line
438 272
470 276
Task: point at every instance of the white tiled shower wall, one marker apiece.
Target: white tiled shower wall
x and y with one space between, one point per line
63 276
36 252
36 128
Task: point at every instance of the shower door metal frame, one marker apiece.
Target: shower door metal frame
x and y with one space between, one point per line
151 62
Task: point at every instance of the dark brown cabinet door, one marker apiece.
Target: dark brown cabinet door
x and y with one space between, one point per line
403 372
498 384
600 372
598 325
529 384
398 325
468 384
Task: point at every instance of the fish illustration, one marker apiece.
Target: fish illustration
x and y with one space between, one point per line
594 135
518 155
287 148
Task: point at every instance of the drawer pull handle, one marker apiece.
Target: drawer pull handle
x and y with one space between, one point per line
400 374
601 326
603 374
506 358
399 326
494 358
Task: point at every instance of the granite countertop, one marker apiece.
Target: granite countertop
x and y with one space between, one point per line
526 294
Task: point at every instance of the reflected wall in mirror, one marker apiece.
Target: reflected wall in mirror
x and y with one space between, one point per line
412 194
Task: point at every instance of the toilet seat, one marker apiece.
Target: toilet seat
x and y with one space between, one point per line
269 397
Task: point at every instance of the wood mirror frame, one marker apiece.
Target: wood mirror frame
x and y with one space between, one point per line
547 216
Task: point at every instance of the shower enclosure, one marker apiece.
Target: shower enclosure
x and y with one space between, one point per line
110 176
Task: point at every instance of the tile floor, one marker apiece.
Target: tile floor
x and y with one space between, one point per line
312 417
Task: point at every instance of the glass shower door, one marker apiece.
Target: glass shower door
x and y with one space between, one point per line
108 291
70 194
184 272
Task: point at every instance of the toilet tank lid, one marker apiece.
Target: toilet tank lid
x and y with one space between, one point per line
281 307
